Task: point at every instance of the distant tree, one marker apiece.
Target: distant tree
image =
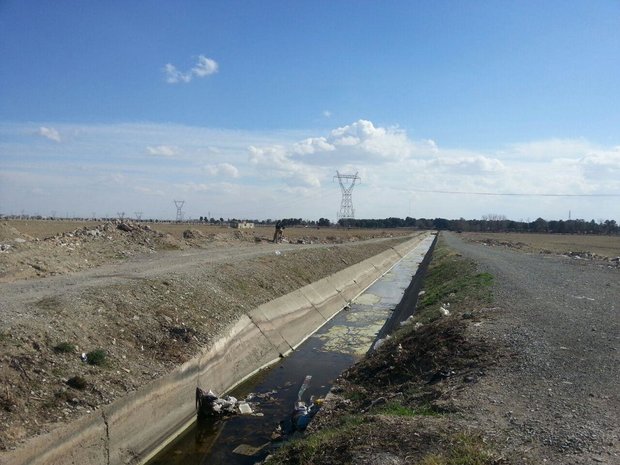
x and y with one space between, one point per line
539 225
441 223
324 222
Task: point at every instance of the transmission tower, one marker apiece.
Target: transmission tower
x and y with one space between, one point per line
347 183
179 204
138 215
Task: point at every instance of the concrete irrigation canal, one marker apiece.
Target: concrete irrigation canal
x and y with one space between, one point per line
271 351
304 375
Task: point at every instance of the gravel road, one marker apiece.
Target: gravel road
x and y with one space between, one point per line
554 397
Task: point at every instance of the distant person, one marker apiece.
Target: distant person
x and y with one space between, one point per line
277 235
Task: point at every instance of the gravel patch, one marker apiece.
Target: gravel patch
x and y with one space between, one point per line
553 396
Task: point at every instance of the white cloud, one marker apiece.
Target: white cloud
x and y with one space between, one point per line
363 141
222 169
279 173
50 133
542 150
327 113
313 145
276 160
162 150
174 76
204 67
149 191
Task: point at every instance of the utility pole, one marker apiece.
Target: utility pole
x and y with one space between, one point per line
347 183
179 204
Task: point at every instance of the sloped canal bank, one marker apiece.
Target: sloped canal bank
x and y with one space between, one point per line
323 356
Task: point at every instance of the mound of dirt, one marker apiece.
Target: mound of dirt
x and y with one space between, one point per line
80 249
8 234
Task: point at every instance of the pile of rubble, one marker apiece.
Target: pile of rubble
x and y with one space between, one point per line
584 255
26 257
497 243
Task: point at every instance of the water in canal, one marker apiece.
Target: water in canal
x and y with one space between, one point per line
323 356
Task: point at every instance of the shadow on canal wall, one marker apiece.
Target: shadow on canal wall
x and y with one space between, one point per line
134 428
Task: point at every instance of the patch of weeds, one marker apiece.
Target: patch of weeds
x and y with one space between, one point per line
64 348
321 444
356 396
97 357
397 409
464 449
62 395
49 303
77 382
182 333
451 278
8 401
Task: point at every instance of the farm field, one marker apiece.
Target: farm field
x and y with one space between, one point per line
602 246
41 229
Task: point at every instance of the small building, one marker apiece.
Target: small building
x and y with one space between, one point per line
242 225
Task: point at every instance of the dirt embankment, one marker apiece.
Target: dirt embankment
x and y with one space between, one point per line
73 342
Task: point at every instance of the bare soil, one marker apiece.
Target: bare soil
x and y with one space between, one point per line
605 248
95 312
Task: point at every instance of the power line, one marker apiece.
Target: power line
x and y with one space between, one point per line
512 194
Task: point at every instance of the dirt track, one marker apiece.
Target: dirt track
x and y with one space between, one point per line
556 399
166 263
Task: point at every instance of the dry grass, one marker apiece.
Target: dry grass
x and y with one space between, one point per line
41 229
605 246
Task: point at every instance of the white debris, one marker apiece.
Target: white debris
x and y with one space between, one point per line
244 408
380 342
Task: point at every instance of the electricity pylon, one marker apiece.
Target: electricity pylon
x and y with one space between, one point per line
179 204
347 183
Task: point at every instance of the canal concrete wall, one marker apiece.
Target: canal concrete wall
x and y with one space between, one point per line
132 429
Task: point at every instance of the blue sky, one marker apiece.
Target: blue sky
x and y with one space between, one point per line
247 109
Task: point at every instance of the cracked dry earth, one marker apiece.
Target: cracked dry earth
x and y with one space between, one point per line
554 397
148 312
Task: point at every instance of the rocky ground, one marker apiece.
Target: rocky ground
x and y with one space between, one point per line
91 314
512 357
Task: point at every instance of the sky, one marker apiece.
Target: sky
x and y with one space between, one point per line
249 109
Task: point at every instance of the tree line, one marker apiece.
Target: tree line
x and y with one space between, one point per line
490 223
